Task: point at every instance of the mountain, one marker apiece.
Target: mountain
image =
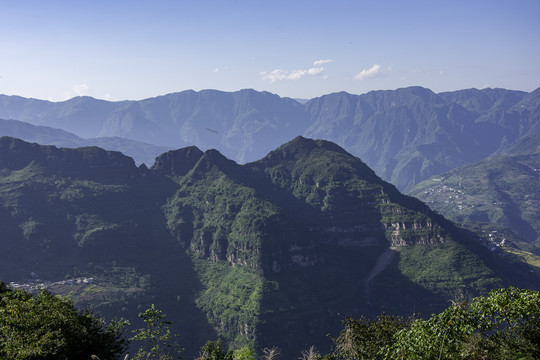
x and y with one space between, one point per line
484 101
140 152
272 252
525 146
81 115
501 190
244 125
406 135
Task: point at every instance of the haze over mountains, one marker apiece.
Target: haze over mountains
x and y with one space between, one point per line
139 151
406 135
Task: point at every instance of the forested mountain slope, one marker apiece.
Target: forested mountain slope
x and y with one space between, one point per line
273 252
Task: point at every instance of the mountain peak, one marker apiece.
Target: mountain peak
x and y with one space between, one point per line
214 157
484 100
300 147
385 99
202 164
297 147
177 162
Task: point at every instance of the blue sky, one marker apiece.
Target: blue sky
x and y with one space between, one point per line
115 49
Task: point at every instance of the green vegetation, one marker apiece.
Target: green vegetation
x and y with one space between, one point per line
241 253
502 325
213 350
532 259
156 337
231 299
363 338
505 324
50 327
447 269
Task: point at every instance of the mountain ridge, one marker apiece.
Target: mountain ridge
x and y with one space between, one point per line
395 131
44 135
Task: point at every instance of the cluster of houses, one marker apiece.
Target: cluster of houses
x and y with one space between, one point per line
34 284
493 240
453 194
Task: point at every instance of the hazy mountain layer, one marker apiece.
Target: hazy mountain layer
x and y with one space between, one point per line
244 125
405 135
408 135
139 151
274 252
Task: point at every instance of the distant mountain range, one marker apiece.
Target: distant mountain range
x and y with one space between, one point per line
273 252
139 151
406 135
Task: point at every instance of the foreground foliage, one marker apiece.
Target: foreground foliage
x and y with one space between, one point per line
503 325
363 338
158 341
49 327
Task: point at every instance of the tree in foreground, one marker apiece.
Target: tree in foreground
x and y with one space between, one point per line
503 325
363 338
213 350
45 326
156 338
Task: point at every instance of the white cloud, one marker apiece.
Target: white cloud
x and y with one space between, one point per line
281 75
322 62
274 75
298 74
80 89
366 74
